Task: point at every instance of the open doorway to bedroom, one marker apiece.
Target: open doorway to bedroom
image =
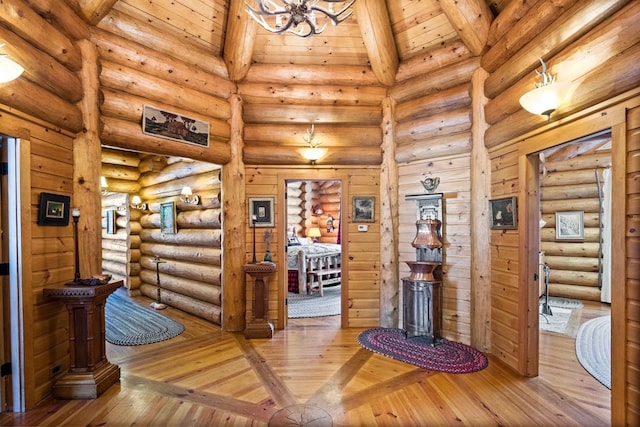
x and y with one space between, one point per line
314 246
575 264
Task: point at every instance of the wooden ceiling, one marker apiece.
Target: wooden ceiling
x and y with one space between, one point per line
418 26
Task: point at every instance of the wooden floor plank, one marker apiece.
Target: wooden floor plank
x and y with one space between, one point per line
209 377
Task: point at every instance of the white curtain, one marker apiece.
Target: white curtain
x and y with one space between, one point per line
605 293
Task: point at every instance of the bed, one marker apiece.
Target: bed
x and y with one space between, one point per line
313 266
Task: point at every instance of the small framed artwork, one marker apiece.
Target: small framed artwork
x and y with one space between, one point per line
261 212
364 208
168 218
570 225
503 214
53 209
111 221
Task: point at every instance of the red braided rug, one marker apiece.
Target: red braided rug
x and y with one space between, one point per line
447 356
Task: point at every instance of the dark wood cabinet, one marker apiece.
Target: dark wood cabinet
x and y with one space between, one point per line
90 373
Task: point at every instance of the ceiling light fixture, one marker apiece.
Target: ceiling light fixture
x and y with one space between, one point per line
547 95
314 152
297 16
9 69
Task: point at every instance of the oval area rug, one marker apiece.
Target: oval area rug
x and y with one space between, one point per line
128 323
447 356
593 348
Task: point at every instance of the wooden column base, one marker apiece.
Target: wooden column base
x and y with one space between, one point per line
86 385
258 329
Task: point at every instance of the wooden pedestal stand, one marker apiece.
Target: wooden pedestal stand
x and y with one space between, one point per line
259 326
90 373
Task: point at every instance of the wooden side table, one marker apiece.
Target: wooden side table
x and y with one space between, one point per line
90 373
259 326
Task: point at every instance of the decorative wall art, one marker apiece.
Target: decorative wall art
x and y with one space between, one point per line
261 211
503 215
53 209
570 225
364 208
174 126
168 218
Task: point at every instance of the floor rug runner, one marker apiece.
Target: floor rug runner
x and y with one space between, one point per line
128 323
593 348
445 356
564 318
315 305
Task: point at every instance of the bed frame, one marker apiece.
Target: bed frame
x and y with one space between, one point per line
318 270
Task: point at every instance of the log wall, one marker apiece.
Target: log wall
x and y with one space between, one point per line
572 185
296 208
302 196
342 102
115 245
190 260
132 76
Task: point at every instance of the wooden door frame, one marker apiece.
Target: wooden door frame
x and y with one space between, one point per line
311 174
608 115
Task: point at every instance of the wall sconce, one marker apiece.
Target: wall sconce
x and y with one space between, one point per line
186 196
9 69
329 224
313 153
546 97
136 203
317 210
104 188
314 233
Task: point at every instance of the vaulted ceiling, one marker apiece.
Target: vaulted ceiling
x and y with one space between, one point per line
379 34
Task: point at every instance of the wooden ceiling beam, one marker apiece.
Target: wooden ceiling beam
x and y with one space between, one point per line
94 10
471 19
239 41
373 20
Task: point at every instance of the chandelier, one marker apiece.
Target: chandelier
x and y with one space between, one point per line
297 16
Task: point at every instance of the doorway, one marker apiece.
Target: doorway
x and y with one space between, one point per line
574 241
314 249
11 315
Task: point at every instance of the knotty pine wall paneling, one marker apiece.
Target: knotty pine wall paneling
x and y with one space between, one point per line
361 251
630 384
47 251
433 139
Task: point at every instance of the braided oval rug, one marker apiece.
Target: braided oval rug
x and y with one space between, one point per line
128 323
446 356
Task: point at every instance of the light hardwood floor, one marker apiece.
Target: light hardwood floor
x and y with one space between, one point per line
212 378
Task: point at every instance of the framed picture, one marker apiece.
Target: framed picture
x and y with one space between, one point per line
570 225
364 208
53 209
261 212
503 214
168 218
111 221
174 126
